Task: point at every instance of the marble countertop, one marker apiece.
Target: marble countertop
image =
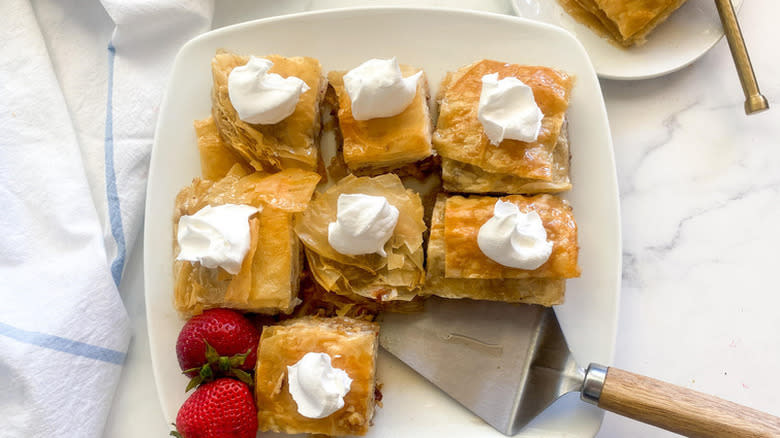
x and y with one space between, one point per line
700 194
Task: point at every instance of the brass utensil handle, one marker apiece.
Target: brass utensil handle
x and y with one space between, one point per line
754 100
681 410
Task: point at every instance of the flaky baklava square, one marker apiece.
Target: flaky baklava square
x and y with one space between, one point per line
290 143
472 164
268 278
380 144
458 268
395 271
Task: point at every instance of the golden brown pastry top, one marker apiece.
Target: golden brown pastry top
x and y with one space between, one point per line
289 190
627 22
459 135
463 218
631 16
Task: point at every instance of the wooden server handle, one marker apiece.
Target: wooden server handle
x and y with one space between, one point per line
681 410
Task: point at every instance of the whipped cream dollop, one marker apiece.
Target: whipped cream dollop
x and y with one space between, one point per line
216 236
377 88
260 97
364 223
513 238
507 109
316 386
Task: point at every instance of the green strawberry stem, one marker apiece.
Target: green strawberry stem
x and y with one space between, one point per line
243 376
219 366
224 364
175 432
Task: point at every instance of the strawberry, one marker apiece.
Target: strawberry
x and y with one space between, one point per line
223 408
218 342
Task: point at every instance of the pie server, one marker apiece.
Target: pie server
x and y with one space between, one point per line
508 362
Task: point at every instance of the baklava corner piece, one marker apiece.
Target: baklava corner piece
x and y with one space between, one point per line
291 143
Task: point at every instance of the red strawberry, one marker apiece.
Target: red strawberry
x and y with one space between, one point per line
223 408
217 342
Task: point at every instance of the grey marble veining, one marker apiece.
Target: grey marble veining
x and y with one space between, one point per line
700 194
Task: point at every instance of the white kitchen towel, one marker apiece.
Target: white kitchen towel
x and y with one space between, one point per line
71 206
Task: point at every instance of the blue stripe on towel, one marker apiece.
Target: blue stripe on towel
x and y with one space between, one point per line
62 344
114 212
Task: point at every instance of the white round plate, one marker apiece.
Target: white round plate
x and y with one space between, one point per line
676 43
438 41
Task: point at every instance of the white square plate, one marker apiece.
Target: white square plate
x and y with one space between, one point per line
438 41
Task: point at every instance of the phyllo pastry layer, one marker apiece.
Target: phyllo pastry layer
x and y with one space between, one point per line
461 177
352 346
293 142
268 280
397 276
216 157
